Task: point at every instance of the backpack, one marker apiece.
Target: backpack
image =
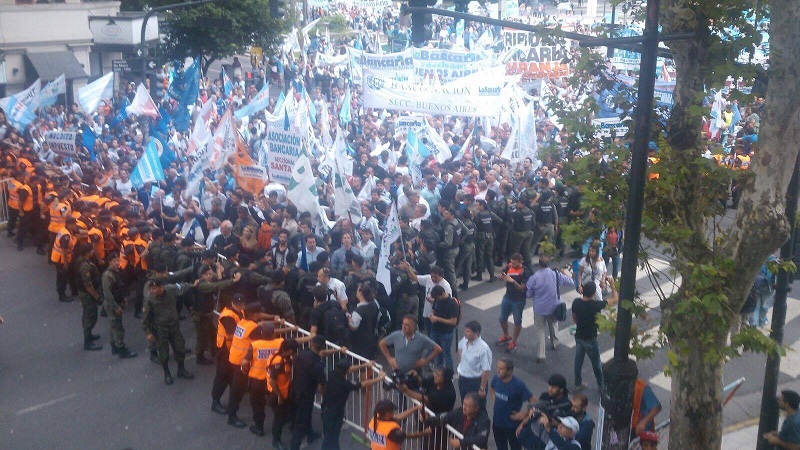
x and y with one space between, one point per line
764 282
334 323
382 321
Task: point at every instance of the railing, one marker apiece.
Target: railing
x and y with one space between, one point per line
361 404
662 429
4 183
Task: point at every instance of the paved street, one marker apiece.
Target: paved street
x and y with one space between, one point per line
53 394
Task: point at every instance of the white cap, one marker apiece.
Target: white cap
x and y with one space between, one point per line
570 423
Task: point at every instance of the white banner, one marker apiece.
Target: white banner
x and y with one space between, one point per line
603 127
473 98
448 65
398 66
284 149
413 122
533 59
62 142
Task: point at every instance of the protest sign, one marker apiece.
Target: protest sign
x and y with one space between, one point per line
62 142
413 122
285 146
397 66
535 59
447 65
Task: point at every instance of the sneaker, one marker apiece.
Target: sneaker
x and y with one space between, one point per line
579 387
511 347
505 339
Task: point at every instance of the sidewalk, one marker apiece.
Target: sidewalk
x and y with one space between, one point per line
743 436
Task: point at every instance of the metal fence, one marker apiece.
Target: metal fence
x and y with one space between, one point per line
361 404
4 184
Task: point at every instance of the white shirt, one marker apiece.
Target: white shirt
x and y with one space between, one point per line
476 358
426 282
211 236
338 288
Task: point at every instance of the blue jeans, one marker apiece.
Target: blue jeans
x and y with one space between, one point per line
510 307
445 340
758 318
588 347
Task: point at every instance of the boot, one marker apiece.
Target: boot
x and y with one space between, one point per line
257 430
477 278
114 349
153 356
235 421
217 407
91 345
94 337
203 361
124 353
167 375
183 373
64 299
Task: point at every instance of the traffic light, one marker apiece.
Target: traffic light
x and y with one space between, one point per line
420 22
277 8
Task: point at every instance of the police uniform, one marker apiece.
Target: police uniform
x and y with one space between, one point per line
466 252
521 234
504 211
27 215
203 315
484 238
88 287
13 204
240 345
378 434
113 300
448 250
546 220
226 325
279 371
61 256
161 320
261 351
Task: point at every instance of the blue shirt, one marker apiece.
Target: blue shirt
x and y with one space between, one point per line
508 399
649 401
541 287
790 430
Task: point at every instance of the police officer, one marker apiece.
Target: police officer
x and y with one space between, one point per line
88 294
265 343
114 302
243 336
229 317
562 207
14 186
504 208
546 219
449 241
161 324
279 370
466 251
521 234
27 212
203 309
486 224
61 256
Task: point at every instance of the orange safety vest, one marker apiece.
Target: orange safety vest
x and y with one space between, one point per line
28 205
379 436
141 243
125 259
57 219
284 378
241 341
262 353
61 255
222 337
13 196
99 246
638 392
27 163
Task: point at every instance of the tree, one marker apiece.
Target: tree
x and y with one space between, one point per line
717 264
217 30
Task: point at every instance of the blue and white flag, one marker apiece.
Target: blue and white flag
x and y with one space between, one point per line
88 140
227 84
344 114
279 103
165 152
185 88
49 95
259 102
121 115
21 107
383 274
149 167
415 159
89 96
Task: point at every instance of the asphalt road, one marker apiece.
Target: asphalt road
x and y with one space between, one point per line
53 394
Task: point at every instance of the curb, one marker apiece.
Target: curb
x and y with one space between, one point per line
738 426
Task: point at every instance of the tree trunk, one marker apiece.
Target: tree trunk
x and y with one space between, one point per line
696 403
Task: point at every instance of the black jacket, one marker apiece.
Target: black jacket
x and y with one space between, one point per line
477 433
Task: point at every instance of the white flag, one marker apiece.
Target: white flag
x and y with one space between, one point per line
201 134
464 147
391 234
224 142
50 92
529 147
143 104
25 98
303 188
89 96
436 144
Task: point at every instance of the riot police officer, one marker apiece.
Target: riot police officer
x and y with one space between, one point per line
486 224
88 294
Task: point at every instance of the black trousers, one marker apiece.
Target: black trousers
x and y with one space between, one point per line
281 415
302 421
65 274
331 428
224 375
238 389
13 216
258 400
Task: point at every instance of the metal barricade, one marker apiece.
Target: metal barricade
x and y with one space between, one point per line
4 184
361 403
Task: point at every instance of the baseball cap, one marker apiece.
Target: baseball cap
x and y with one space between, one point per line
570 423
648 436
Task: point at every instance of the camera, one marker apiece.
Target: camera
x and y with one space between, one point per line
411 380
551 410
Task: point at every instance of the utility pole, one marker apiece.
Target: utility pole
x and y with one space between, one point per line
769 407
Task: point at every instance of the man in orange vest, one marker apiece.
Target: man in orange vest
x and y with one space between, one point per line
265 344
27 214
61 256
279 369
13 200
226 325
243 336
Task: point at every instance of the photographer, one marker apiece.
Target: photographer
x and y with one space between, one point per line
549 433
437 394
